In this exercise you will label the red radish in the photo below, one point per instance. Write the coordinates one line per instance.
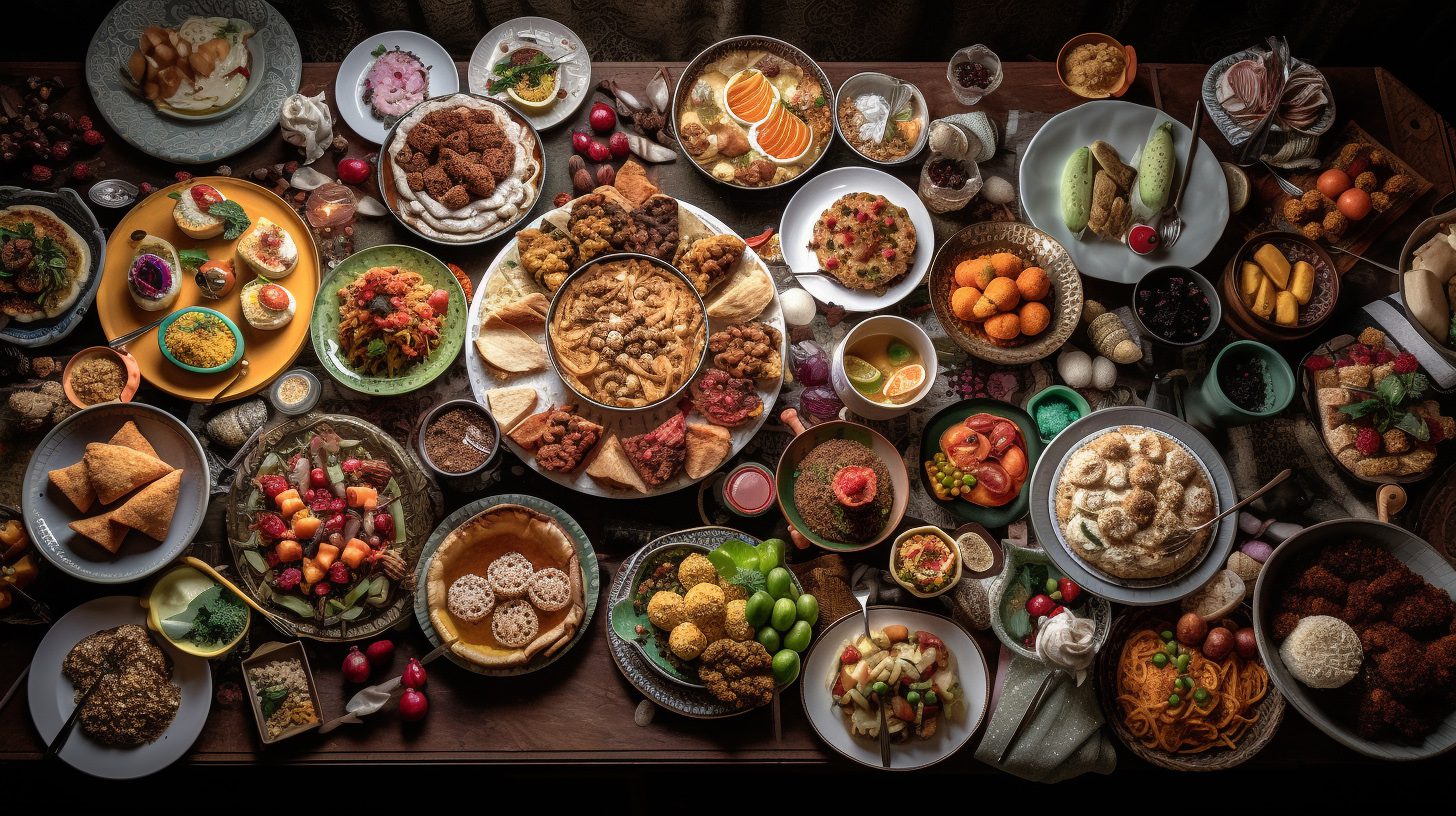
(414, 675)
(380, 653)
(618, 145)
(580, 141)
(1038, 605)
(413, 705)
(356, 666)
(353, 171)
(598, 152)
(602, 118)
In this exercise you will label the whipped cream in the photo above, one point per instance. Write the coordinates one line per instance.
(1066, 642)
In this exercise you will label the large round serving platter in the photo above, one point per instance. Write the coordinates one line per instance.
(325, 323)
(349, 82)
(418, 510)
(201, 139)
(1125, 126)
(551, 390)
(822, 662)
(1133, 592)
(555, 41)
(816, 196)
(48, 511)
(269, 352)
(68, 208)
(52, 697)
(591, 579)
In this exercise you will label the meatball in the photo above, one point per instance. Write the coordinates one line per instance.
(696, 569)
(666, 610)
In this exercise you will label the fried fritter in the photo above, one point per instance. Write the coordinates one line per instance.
(548, 258)
(709, 261)
(598, 225)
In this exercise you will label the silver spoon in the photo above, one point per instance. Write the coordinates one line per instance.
(862, 592)
(1179, 539)
(242, 372)
(1171, 229)
(1392, 270)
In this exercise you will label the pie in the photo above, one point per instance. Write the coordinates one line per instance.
(1120, 495)
(524, 552)
(866, 242)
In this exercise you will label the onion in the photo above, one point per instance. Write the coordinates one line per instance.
(351, 525)
(821, 403)
(380, 653)
(808, 363)
(356, 666)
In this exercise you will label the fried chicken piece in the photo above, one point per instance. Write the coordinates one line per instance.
(1356, 559)
(484, 137)
(458, 141)
(1427, 608)
(1360, 605)
(416, 181)
(446, 120)
(1379, 712)
(414, 161)
(437, 182)
(738, 673)
(455, 198)
(709, 261)
(1293, 211)
(1441, 656)
(598, 225)
(1316, 580)
(547, 258)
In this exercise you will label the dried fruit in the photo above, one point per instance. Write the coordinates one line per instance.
(93, 138)
(598, 152)
(575, 163)
(619, 145)
(581, 181)
(562, 199)
(606, 176)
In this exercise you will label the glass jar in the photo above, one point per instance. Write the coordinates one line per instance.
(948, 199)
(978, 54)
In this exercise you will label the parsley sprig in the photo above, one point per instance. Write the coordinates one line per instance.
(1386, 405)
(507, 74)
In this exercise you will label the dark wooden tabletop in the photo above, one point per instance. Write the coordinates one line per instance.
(580, 709)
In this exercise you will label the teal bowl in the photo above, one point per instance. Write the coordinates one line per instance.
(231, 326)
(1052, 392)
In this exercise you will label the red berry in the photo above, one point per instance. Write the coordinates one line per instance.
(322, 588)
(580, 141)
(618, 145)
(1406, 363)
(602, 118)
(84, 122)
(598, 152)
(40, 173)
(339, 572)
(60, 150)
(318, 477)
(81, 171)
(93, 138)
(182, 175)
(1367, 441)
(351, 465)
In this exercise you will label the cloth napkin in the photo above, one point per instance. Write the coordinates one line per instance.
(307, 124)
(1063, 741)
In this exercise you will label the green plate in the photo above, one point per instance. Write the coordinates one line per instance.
(591, 578)
(930, 443)
(810, 438)
(325, 324)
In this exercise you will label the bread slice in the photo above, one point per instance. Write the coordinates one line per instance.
(612, 468)
(510, 405)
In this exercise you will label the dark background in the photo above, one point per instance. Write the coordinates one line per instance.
(1411, 38)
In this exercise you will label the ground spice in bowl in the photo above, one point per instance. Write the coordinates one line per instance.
(98, 378)
(446, 445)
(1246, 384)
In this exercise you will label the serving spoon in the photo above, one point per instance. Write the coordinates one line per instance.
(862, 592)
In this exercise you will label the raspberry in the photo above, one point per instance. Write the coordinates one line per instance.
(84, 123)
(1318, 362)
(1405, 363)
(339, 572)
(182, 175)
(146, 188)
(288, 579)
(322, 588)
(60, 151)
(1383, 356)
(271, 559)
(40, 173)
(93, 138)
(1367, 441)
(81, 171)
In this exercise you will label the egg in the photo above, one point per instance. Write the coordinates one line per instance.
(1354, 203)
(998, 190)
(798, 307)
(1333, 182)
(1075, 368)
(1104, 373)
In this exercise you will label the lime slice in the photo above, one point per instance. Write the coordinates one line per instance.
(864, 376)
(899, 353)
(1238, 185)
(905, 381)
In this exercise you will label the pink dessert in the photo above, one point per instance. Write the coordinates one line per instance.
(396, 82)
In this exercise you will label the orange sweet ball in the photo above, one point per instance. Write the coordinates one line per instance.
(1003, 292)
(1033, 283)
(963, 302)
(966, 271)
(1035, 317)
(1005, 326)
(1006, 265)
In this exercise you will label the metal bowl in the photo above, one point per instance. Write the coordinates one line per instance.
(884, 85)
(776, 47)
(573, 278)
(1420, 235)
(1215, 307)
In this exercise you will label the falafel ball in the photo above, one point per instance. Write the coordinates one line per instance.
(732, 591)
(666, 610)
(704, 605)
(735, 620)
(687, 641)
(696, 569)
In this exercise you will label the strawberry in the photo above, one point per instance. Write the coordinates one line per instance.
(1367, 441)
(1069, 589)
(40, 174)
(849, 656)
(84, 123)
(1406, 363)
(182, 175)
(81, 171)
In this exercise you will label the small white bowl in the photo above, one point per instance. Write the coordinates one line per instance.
(901, 328)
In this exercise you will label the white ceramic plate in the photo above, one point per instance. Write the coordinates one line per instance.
(1125, 126)
(554, 40)
(550, 390)
(52, 695)
(822, 663)
(797, 228)
(349, 82)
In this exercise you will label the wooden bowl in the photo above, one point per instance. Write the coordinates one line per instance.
(1312, 315)
(1095, 37)
(128, 364)
(1034, 247)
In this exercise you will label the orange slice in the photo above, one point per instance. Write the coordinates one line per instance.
(783, 135)
(905, 381)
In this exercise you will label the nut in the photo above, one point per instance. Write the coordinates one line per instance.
(606, 176)
(575, 164)
(581, 180)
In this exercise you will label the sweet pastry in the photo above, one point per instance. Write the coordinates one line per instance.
(515, 624)
(470, 598)
(510, 575)
(549, 590)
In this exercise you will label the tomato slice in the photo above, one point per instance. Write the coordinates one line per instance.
(964, 447)
(994, 478)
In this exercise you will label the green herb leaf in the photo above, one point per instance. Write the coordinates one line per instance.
(1356, 410)
(1415, 425)
(1392, 390)
(269, 699)
(377, 347)
(751, 580)
(174, 195)
(233, 216)
(192, 258)
(378, 51)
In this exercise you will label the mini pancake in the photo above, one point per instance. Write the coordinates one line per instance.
(612, 468)
(73, 482)
(101, 530)
(507, 348)
(708, 446)
(115, 471)
(130, 436)
(150, 511)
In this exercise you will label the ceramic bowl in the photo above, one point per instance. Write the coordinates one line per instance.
(1215, 306)
(128, 364)
(1017, 559)
(1312, 315)
(1419, 236)
(884, 85)
(159, 601)
(1056, 392)
(1095, 37)
(805, 440)
(955, 576)
(901, 329)
(227, 321)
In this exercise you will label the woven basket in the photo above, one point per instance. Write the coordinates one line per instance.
(1271, 708)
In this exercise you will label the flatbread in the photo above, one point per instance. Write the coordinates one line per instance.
(150, 511)
(611, 467)
(73, 483)
(506, 348)
(101, 530)
(543, 542)
(633, 183)
(708, 446)
(76, 252)
(744, 295)
(510, 405)
(528, 313)
(115, 471)
(130, 436)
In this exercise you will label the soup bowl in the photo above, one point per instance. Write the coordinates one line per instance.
(864, 404)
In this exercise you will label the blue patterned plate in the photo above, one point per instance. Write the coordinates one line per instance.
(66, 205)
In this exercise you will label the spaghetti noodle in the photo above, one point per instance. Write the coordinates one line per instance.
(389, 319)
(1235, 687)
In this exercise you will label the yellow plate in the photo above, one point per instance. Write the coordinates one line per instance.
(268, 353)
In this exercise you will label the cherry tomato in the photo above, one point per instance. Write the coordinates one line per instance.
(318, 477)
(439, 300)
(272, 296)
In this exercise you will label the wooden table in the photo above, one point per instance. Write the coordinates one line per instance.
(580, 709)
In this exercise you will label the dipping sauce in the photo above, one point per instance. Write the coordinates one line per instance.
(296, 392)
(748, 490)
(885, 369)
(98, 378)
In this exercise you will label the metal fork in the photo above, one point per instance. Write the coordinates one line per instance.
(862, 592)
(1172, 228)
(1290, 188)
(1179, 539)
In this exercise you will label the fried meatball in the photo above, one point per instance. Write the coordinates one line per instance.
(437, 182)
(424, 138)
(731, 591)
(735, 620)
(455, 198)
(485, 137)
(1313, 200)
(705, 604)
(696, 569)
(416, 181)
(445, 120)
(498, 160)
(665, 610)
(458, 141)
(1140, 506)
(687, 641)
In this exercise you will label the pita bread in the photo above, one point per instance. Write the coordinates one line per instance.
(72, 481)
(744, 296)
(115, 471)
(510, 405)
(506, 348)
(150, 511)
(469, 549)
(74, 250)
(612, 468)
(633, 183)
(615, 196)
(527, 313)
(101, 530)
(130, 436)
(708, 446)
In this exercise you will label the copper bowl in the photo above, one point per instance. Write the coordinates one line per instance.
(1095, 37)
(128, 365)
(1312, 315)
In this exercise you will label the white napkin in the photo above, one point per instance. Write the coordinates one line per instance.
(306, 123)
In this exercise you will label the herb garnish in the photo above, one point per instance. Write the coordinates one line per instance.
(269, 699)
(1385, 408)
(49, 258)
(192, 258)
(377, 347)
(233, 216)
(508, 74)
(378, 51)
